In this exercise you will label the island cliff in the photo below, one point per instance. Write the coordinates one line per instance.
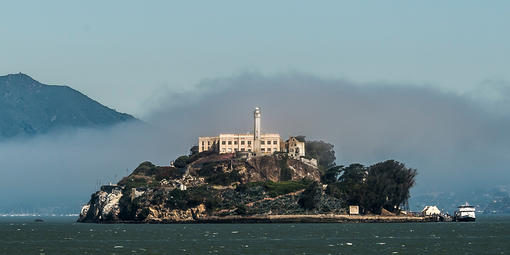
(211, 184)
(210, 187)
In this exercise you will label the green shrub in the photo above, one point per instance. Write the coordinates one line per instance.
(241, 209)
(280, 188)
(309, 198)
(334, 190)
(185, 199)
(193, 150)
(248, 186)
(211, 203)
(178, 199)
(181, 161)
(136, 183)
(168, 173)
(208, 169)
(145, 168)
(275, 189)
(158, 197)
(224, 179)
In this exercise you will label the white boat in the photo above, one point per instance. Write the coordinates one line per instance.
(465, 212)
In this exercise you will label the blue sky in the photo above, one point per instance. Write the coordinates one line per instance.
(127, 53)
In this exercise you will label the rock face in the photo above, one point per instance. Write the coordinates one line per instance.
(103, 206)
(28, 107)
(213, 186)
(263, 169)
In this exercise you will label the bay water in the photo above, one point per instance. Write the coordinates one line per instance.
(62, 235)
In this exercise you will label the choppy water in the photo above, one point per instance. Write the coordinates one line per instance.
(61, 235)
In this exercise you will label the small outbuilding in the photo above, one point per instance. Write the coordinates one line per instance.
(430, 210)
(354, 209)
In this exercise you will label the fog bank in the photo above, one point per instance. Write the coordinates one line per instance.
(453, 141)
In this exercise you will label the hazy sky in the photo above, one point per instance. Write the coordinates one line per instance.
(126, 53)
(425, 83)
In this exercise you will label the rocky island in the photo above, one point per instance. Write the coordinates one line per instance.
(211, 187)
(256, 178)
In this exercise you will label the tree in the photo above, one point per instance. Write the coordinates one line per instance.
(352, 184)
(193, 150)
(181, 161)
(300, 138)
(310, 196)
(331, 175)
(383, 185)
(321, 151)
(387, 186)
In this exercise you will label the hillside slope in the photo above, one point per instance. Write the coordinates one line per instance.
(28, 107)
(213, 186)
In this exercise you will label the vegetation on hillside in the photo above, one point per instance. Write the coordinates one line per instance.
(235, 200)
(383, 185)
(147, 175)
(275, 189)
(321, 151)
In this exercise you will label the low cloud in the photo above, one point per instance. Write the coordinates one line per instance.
(453, 140)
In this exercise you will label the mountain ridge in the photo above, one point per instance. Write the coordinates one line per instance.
(29, 107)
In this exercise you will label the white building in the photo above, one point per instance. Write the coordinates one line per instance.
(255, 142)
(430, 210)
(295, 148)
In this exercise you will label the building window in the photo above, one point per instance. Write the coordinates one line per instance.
(223, 142)
(249, 150)
(242, 142)
(223, 150)
(229, 142)
(275, 149)
(249, 142)
(242, 149)
(229, 149)
(262, 142)
(275, 142)
(208, 143)
(268, 149)
(235, 149)
(202, 143)
(262, 149)
(235, 142)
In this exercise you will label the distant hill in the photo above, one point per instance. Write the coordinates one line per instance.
(28, 107)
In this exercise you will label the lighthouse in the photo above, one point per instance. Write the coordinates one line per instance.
(256, 130)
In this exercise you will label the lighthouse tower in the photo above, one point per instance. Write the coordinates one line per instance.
(256, 130)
